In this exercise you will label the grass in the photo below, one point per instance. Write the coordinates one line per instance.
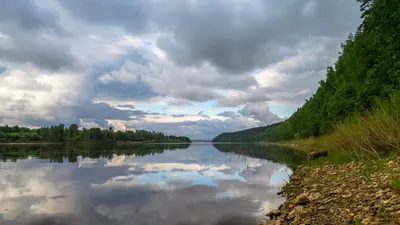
(291, 188)
(374, 134)
(395, 184)
(321, 143)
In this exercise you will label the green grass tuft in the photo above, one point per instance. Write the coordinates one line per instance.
(395, 184)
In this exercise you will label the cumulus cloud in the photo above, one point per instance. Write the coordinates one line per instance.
(260, 112)
(46, 52)
(27, 15)
(18, 80)
(115, 62)
(31, 34)
(239, 98)
(234, 37)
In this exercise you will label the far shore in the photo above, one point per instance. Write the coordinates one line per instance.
(87, 142)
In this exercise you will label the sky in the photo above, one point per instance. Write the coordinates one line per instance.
(185, 67)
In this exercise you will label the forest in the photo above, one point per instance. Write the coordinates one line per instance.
(61, 133)
(366, 73)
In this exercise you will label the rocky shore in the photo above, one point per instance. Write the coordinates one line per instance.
(353, 193)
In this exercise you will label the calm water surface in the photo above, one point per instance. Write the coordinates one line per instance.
(141, 184)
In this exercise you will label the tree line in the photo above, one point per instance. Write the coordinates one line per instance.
(367, 71)
(61, 133)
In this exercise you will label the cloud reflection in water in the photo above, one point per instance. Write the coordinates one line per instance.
(198, 185)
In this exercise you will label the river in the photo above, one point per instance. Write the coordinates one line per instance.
(138, 184)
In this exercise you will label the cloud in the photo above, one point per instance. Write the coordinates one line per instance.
(132, 15)
(32, 34)
(260, 112)
(228, 114)
(204, 129)
(82, 62)
(16, 79)
(178, 102)
(126, 106)
(201, 113)
(239, 98)
(153, 167)
(2, 69)
(27, 15)
(234, 37)
(47, 52)
(34, 101)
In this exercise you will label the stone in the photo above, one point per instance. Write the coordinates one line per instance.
(317, 154)
(301, 199)
(385, 202)
(274, 213)
(271, 222)
(291, 215)
(314, 196)
(379, 194)
(366, 221)
(337, 191)
(347, 196)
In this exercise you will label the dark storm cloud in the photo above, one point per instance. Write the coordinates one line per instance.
(103, 110)
(124, 91)
(33, 36)
(43, 52)
(88, 112)
(235, 37)
(132, 15)
(27, 15)
(95, 112)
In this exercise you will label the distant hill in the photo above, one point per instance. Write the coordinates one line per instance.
(249, 135)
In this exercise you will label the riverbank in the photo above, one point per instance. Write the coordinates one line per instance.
(88, 142)
(351, 193)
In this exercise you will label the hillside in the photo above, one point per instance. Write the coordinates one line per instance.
(249, 135)
(366, 72)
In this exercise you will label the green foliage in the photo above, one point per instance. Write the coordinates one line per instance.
(61, 133)
(395, 184)
(367, 70)
(249, 135)
(371, 134)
